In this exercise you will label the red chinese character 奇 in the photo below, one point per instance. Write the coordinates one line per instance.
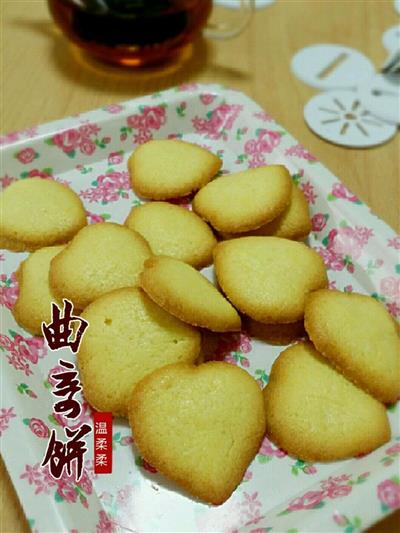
(58, 332)
(61, 454)
(68, 386)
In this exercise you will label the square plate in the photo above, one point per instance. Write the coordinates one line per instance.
(89, 152)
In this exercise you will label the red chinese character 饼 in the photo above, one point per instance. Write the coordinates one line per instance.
(61, 454)
(58, 332)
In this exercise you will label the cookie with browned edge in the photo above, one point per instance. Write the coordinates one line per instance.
(246, 200)
(187, 294)
(359, 337)
(33, 305)
(316, 414)
(199, 426)
(168, 168)
(38, 212)
(100, 258)
(174, 231)
(275, 333)
(128, 337)
(268, 278)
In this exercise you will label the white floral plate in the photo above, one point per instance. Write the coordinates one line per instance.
(278, 493)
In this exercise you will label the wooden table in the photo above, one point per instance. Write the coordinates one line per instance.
(44, 79)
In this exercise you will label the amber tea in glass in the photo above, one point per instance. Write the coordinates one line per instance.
(131, 32)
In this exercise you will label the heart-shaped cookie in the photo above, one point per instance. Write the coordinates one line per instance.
(315, 413)
(199, 426)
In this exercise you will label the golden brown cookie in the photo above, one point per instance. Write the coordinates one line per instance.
(185, 293)
(33, 305)
(100, 258)
(38, 212)
(268, 278)
(275, 333)
(128, 337)
(199, 426)
(315, 413)
(162, 169)
(246, 200)
(174, 231)
(294, 223)
(359, 337)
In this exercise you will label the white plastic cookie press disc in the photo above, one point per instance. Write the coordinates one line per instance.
(381, 96)
(391, 38)
(339, 117)
(331, 66)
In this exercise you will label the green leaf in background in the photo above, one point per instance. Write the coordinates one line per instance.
(53, 420)
(285, 512)
(26, 421)
(58, 497)
(319, 505)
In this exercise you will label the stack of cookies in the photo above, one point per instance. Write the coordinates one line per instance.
(139, 287)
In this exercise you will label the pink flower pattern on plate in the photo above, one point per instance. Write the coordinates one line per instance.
(255, 149)
(6, 180)
(232, 347)
(8, 290)
(318, 221)
(341, 191)
(390, 286)
(218, 121)
(114, 108)
(389, 494)
(6, 414)
(207, 98)
(268, 451)
(15, 136)
(150, 118)
(394, 243)
(309, 192)
(344, 245)
(22, 351)
(298, 150)
(331, 488)
(84, 138)
(26, 156)
(66, 488)
(107, 188)
(104, 524)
